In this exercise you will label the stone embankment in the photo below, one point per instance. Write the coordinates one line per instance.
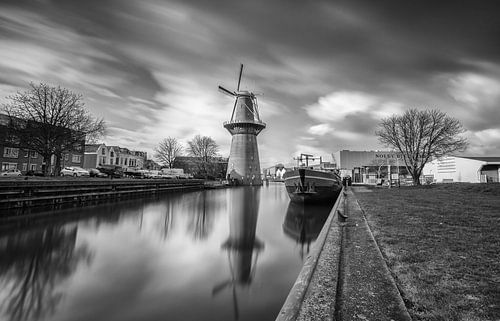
(345, 276)
(16, 195)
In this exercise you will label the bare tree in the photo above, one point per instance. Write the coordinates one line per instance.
(205, 149)
(168, 150)
(51, 120)
(421, 135)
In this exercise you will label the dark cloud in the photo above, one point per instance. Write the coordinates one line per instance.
(295, 52)
(360, 122)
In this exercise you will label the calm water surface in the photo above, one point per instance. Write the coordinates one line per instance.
(208, 255)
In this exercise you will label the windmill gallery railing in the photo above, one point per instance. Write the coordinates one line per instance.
(240, 122)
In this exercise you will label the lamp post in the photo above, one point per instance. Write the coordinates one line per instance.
(388, 171)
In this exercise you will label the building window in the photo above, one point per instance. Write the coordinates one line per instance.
(33, 167)
(11, 152)
(102, 161)
(117, 161)
(13, 139)
(78, 147)
(33, 154)
(126, 161)
(103, 151)
(7, 166)
(66, 157)
(111, 154)
(25, 167)
(26, 153)
(76, 158)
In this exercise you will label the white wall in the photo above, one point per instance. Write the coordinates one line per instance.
(455, 169)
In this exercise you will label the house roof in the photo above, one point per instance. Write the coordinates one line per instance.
(489, 159)
(92, 148)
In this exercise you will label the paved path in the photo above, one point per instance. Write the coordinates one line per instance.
(368, 291)
(349, 279)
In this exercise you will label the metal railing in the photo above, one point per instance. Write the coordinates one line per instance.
(256, 122)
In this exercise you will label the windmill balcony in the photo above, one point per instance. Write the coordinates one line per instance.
(243, 122)
(244, 126)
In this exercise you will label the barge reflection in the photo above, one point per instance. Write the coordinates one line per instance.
(242, 242)
(303, 223)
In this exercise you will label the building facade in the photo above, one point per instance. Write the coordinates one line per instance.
(13, 155)
(99, 154)
(20, 158)
(449, 169)
(370, 167)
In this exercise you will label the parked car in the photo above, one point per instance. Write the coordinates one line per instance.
(152, 174)
(135, 174)
(167, 176)
(74, 171)
(11, 172)
(94, 172)
(111, 170)
(34, 173)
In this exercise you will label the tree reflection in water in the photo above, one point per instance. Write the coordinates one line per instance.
(33, 264)
(241, 243)
(202, 211)
(168, 221)
(303, 223)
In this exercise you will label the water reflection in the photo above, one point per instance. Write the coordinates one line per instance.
(242, 244)
(202, 221)
(33, 265)
(186, 256)
(303, 223)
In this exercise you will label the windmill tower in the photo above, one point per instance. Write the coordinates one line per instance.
(244, 126)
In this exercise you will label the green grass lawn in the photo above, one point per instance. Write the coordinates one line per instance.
(442, 244)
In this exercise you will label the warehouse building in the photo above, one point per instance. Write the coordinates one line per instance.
(370, 167)
(463, 169)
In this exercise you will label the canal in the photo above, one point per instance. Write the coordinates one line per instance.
(223, 254)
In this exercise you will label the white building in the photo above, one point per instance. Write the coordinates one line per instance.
(463, 169)
(100, 154)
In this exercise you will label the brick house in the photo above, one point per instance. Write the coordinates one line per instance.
(15, 156)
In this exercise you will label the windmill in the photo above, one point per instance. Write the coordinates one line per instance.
(244, 126)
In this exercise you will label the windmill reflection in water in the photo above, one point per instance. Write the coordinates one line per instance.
(304, 221)
(242, 242)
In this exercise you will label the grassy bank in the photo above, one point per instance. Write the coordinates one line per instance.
(442, 244)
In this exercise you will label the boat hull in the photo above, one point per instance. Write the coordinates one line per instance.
(312, 186)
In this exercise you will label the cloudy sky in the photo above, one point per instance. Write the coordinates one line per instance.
(328, 71)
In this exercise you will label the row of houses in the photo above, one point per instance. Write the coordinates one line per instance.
(91, 156)
(13, 155)
(99, 154)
